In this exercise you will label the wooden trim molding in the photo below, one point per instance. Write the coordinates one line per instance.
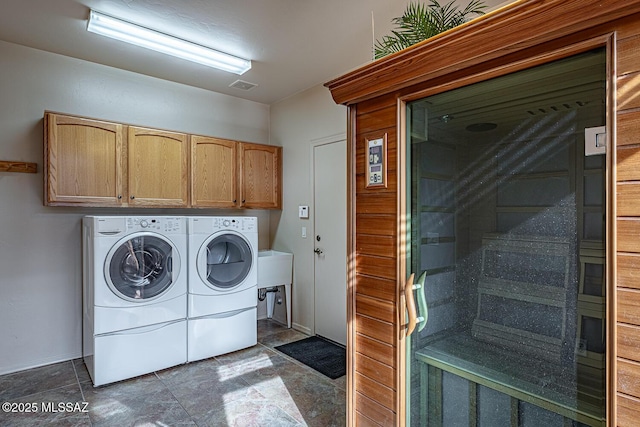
(610, 227)
(351, 266)
(24, 167)
(515, 27)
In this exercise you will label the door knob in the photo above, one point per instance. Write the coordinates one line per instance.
(318, 251)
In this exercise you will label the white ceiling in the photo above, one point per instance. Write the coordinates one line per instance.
(294, 44)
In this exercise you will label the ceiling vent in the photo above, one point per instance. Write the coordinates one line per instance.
(558, 107)
(242, 85)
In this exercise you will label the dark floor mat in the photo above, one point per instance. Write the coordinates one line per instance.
(322, 355)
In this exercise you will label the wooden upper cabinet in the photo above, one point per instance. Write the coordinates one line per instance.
(94, 163)
(214, 172)
(158, 168)
(260, 176)
(82, 161)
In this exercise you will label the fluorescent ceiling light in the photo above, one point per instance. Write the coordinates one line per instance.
(140, 36)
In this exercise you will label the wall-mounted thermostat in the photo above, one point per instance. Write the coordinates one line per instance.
(303, 212)
(377, 162)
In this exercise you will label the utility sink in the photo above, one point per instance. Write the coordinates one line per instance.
(274, 268)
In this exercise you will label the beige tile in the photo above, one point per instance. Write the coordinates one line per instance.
(25, 383)
(283, 337)
(254, 386)
(44, 408)
(140, 401)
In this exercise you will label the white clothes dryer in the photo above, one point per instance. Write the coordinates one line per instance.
(223, 280)
(135, 295)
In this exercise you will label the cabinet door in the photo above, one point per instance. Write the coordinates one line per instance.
(214, 172)
(158, 168)
(260, 176)
(83, 161)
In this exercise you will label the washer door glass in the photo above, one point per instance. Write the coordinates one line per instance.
(140, 268)
(229, 261)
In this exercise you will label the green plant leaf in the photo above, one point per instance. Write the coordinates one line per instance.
(420, 22)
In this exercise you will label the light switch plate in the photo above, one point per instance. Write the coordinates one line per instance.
(595, 141)
(303, 212)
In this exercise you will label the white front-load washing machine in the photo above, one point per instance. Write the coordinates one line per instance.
(134, 295)
(223, 280)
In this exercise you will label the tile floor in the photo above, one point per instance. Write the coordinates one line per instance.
(256, 387)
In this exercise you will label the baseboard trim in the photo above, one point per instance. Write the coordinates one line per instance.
(300, 328)
(38, 363)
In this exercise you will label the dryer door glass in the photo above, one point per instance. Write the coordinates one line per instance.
(141, 267)
(229, 261)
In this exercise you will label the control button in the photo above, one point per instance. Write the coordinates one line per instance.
(226, 223)
(144, 223)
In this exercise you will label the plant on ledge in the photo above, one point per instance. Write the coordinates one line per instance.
(421, 22)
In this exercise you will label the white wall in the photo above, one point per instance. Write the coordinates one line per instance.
(296, 123)
(40, 247)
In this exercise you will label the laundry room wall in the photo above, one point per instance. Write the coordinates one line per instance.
(40, 247)
(297, 122)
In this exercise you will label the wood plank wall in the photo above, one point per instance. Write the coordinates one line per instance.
(375, 284)
(628, 226)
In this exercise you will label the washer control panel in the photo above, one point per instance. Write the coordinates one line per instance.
(246, 224)
(158, 224)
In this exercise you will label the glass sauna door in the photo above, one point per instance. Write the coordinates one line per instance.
(506, 240)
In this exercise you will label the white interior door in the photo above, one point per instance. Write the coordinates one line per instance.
(330, 244)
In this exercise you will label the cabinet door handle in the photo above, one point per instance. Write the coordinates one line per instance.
(119, 196)
(235, 200)
(132, 197)
(243, 200)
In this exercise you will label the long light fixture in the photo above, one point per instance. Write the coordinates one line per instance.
(125, 31)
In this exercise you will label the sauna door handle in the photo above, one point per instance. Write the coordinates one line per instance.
(411, 305)
(422, 301)
(414, 319)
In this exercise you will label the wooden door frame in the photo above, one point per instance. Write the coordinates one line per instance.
(401, 362)
(543, 56)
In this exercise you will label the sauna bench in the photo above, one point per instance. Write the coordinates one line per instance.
(524, 378)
